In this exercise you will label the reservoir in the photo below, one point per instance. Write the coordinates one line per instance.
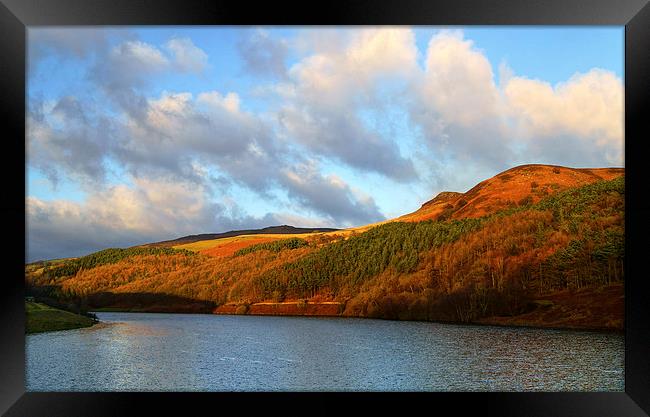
(194, 352)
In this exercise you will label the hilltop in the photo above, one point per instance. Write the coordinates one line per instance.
(517, 186)
(535, 245)
(275, 230)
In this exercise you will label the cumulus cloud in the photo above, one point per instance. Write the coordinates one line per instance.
(588, 108)
(264, 55)
(124, 71)
(333, 133)
(211, 129)
(328, 89)
(459, 82)
(467, 118)
(131, 62)
(330, 196)
(64, 140)
(187, 57)
(152, 208)
(180, 138)
(458, 104)
(173, 136)
(126, 215)
(122, 215)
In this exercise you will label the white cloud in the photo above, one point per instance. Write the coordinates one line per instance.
(121, 215)
(211, 129)
(138, 56)
(160, 209)
(187, 57)
(214, 99)
(150, 207)
(263, 54)
(459, 82)
(337, 75)
(588, 108)
(329, 196)
(65, 139)
(467, 118)
(378, 52)
(329, 88)
(458, 106)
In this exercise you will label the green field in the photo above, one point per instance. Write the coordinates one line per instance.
(43, 318)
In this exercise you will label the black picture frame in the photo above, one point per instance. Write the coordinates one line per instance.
(17, 15)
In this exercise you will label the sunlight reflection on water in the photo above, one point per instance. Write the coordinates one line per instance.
(180, 352)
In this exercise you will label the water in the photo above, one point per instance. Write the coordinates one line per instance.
(177, 352)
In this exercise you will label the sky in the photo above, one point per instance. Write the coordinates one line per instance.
(142, 134)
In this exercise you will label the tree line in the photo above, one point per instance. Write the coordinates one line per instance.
(275, 246)
(107, 256)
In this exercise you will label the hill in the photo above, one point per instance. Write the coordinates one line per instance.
(535, 245)
(273, 230)
(517, 186)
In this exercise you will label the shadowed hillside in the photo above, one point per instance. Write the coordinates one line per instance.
(535, 245)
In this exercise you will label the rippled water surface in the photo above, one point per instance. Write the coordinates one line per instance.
(178, 352)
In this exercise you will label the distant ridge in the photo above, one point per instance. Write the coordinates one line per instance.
(283, 230)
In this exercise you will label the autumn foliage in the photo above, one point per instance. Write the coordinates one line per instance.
(451, 268)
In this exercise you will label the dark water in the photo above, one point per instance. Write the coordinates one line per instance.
(176, 352)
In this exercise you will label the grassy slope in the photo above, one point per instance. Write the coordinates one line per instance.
(203, 245)
(43, 318)
(274, 230)
(509, 188)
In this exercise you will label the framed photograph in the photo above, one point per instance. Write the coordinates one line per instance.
(256, 206)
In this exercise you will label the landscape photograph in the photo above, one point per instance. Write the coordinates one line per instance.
(326, 208)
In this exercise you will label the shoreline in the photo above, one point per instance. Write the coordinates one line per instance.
(327, 309)
(42, 318)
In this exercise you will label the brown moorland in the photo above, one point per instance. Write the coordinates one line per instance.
(516, 186)
(229, 249)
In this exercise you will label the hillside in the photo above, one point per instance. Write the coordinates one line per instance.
(272, 230)
(535, 245)
(519, 185)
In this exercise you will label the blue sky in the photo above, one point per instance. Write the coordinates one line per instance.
(144, 134)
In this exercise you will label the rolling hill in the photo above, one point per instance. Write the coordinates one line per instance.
(519, 185)
(535, 245)
(271, 230)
